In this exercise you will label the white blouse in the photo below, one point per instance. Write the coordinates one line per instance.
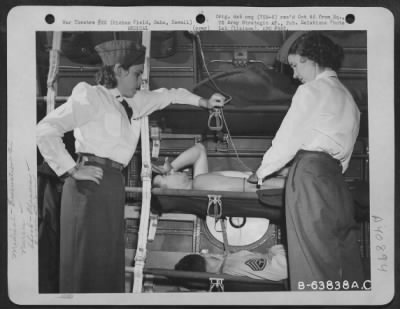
(322, 117)
(101, 126)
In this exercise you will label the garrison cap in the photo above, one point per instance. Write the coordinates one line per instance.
(283, 53)
(124, 52)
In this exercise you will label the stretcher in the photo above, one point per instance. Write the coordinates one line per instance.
(218, 204)
(213, 282)
(268, 204)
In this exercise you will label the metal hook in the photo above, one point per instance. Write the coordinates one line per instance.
(214, 200)
(215, 114)
(217, 283)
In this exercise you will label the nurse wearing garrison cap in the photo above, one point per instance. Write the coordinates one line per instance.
(106, 126)
(317, 137)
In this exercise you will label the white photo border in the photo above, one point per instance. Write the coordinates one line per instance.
(22, 24)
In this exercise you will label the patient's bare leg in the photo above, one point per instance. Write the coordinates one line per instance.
(196, 156)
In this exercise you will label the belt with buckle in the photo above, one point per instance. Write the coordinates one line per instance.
(85, 157)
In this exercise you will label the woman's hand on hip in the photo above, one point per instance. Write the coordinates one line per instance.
(87, 172)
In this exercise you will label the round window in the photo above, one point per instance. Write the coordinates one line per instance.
(241, 232)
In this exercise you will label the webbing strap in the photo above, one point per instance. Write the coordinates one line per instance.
(225, 237)
(155, 135)
(146, 178)
(215, 205)
(153, 227)
(54, 63)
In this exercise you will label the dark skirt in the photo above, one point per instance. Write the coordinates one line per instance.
(92, 256)
(321, 231)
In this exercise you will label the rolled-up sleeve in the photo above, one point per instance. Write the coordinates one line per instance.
(145, 102)
(80, 107)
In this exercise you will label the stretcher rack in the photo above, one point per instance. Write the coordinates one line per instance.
(199, 203)
(232, 204)
(222, 205)
(217, 204)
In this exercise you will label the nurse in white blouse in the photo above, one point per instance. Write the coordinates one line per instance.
(318, 135)
(105, 120)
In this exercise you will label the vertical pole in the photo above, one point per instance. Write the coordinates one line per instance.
(146, 179)
(54, 62)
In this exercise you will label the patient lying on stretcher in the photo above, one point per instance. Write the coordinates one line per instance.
(171, 176)
(270, 266)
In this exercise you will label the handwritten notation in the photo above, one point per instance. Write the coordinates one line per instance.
(22, 205)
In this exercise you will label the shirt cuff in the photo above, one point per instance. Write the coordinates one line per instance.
(183, 96)
(194, 100)
(65, 166)
(262, 172)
